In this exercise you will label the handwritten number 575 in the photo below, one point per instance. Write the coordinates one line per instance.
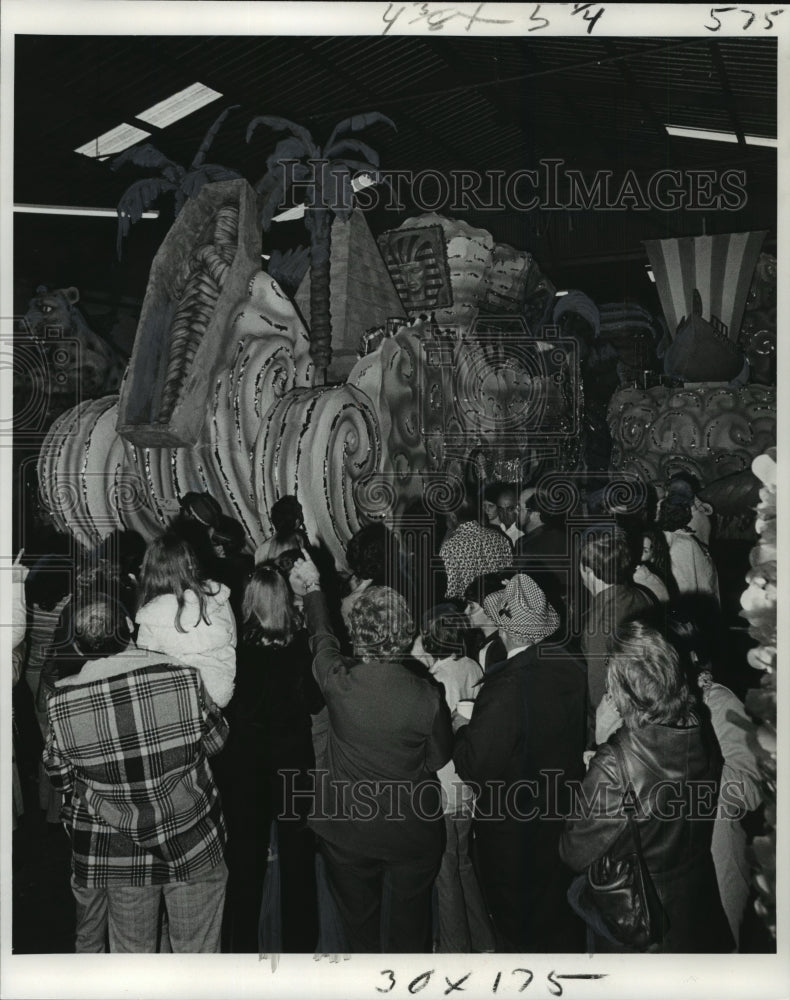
(751, 16)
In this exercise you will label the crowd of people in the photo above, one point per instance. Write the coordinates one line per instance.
(424, 750)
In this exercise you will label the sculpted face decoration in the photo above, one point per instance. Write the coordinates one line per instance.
(417, 262)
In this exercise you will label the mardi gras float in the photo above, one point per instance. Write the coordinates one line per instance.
(221, 395)
(398, 367)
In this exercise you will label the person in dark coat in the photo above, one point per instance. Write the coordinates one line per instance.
(606, 565)
(379, 815)
(673, 771)
(522, 747)
(232, 565)
(270, 718)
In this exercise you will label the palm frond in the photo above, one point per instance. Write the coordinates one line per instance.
(283, 125)
(144, 156)
(136, 199)
(209, 137)
(270, 204)
(357, 122)
(196, 180)
(287, 149)
(352, 146)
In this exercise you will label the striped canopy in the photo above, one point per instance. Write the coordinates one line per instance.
(720, 267)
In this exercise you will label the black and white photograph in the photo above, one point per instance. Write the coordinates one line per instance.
(389, 473)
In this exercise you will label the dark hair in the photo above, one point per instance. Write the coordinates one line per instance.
(171, 567)
(47, 583)
(372, 553)
(691, 644)
(196, 535)
(605, 550)
(493, 492)
(659, 562)
(284, 561)
(126, 548)
(286, 515)
(675, 513)
(644, 678)
(203, 506)
(487, 583)
(268, 607)
(100, 626)
(229, 534)
(443, 631)
(470, 508)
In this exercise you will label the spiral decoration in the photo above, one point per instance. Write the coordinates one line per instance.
(317, 443)
(710, 431)
(94, 481)
(87, 475)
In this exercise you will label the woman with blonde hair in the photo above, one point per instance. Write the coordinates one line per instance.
(270, 755)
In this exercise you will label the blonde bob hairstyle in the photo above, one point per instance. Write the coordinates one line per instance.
(381, 625)
(645, 681)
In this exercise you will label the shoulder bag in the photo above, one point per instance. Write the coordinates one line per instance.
(616, 896)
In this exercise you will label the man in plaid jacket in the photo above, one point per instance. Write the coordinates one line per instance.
(129, 741)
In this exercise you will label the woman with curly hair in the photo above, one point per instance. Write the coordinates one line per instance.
(379, 814)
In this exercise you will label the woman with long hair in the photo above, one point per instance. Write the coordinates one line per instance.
(654, 569)
(187, 616)
(270, 755)
(661, 763)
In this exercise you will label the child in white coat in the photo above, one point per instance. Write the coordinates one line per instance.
(187, 617)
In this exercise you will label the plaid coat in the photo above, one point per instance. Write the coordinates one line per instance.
(130, 752)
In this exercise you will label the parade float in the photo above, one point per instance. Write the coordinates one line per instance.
(399, 363)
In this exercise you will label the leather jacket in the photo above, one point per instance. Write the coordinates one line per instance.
(673, 773)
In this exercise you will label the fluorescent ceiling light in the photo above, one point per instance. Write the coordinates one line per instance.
(557, 294)
(76, 210)
(179, 105)
(713, 136)
(761, 140)
(650, 274)
(701, 133)
(115, 141)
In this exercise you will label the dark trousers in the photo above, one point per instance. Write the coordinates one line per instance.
(525, 886)
(385, 906)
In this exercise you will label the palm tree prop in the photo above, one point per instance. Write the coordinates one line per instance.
(184, 182)
(328, 174)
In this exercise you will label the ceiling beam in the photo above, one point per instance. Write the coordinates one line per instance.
(726, 90)
(635, 88)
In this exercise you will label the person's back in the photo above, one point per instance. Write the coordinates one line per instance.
(208, 644)
(131, 775)
(661, 765)
(187, 616)
(522, 746)
(128, 745)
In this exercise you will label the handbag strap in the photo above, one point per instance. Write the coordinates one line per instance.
(625, 778)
